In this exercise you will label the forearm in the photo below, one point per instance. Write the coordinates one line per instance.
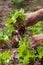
(33, 18)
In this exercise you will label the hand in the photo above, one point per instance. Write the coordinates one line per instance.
(33, 18)
(28, 18)
(36, 40)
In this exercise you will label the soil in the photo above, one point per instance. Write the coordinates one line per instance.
(5, 7)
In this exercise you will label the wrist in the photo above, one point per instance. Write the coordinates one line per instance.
(40, 14)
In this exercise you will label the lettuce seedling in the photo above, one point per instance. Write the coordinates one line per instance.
(5, 57)
(40, 51)
(25, 52)
(16, 16)
(37, 28)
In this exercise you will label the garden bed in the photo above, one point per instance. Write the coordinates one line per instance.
(14, 41)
